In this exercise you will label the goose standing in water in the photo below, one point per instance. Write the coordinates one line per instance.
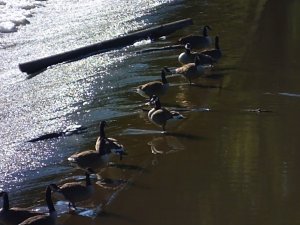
(45, 219)
(198, 41)
(216, 53)
(14, 216)
(157, 88)
(189, 57)
(160, 116)
(191, 71)
(75, 191)
(111, 144)
(91, 158)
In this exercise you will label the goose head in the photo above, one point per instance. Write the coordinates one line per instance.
(188, 48)
(155, 101)
(102, 125)
(205, 30)
(165, 71)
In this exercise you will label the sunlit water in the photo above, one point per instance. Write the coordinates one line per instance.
(81, 92)
(233, 160)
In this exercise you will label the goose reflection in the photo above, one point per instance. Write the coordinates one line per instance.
(165, 145)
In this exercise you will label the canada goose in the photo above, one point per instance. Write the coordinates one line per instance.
(75, 191)
(189, 57)
(214, 53)
(13, 216)
(191, 70)
(160, 116)
(92, 158)
(45, 219)
(198, 41)
(157, 88)
(111, 144)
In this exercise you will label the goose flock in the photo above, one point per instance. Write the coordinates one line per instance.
(192, 66)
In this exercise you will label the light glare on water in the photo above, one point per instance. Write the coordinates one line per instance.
(232, 160)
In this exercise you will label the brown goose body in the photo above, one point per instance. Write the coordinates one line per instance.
(110, 145)
(191, 71)
(160, 116)
(198, 41)
(14, 216)
(189, 57)
(215, 53)
(75, 192)
(91, 158)
(157, 88)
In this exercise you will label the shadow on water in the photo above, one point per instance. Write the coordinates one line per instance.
(128, 167)
(133, 131)
(112, 215)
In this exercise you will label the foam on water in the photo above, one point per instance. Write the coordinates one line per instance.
(16, 13)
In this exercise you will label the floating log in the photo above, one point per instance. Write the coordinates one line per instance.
(35, 66)
(75, 129)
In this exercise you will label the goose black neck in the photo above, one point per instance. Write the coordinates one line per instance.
(102, 133)
(188, 51)
(102, 150)
(157, 104)
(87, 179)
(5, 201)
(205, 32)
(217, 43)
(163, 77)
(197, 61)
(49, 200)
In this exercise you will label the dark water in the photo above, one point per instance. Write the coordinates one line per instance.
(234, 159)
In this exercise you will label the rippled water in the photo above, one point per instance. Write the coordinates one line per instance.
(233, 160)
(80, 93)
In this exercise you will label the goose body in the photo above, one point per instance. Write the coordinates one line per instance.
(191, 71)
(160, 116)
(157, 88)
(45, 219)
(92, 158)
(75, 191)
(110, 144)
(13, 216)
(189, 57)
(215, 53)
(198, 41)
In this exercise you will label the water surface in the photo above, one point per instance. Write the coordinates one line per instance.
(233, 160)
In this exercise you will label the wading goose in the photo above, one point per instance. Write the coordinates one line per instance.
(14, 216)
(198, 41)
(91, 158)
(45, 219)
(216, 53)
(157, 88)
(111, 144)
(75, 191)
(189, 57)
(160, 116)
(191, 71)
